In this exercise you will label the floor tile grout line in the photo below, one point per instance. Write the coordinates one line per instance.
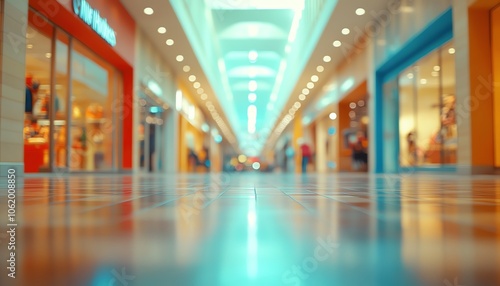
(382, 218)
(143, 210)
(121, 202)
(293, 199)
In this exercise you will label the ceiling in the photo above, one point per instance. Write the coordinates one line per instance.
(251, 61)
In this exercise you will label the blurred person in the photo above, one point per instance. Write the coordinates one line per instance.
(358, 146)
(306, 154)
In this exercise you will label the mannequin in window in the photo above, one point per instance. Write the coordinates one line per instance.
(31, 94)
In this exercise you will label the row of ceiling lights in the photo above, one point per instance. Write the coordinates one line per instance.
(197, 85)
(310, 85)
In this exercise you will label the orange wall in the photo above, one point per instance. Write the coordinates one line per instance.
(495, 38)
(345, 153)
(60, 12)
(481, 96)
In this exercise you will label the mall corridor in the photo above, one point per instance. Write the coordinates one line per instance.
(249, 142)
(258, 230)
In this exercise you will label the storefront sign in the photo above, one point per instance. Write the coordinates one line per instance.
(92, 18)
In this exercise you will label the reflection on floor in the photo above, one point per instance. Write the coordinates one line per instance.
(256, 230)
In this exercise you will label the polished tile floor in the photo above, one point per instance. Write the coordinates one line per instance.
(255, 229)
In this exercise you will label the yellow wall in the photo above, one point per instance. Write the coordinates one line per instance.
(185, 128)
(297, 133)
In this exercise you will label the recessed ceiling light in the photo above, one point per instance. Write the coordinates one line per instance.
(327, 59)
(320, 69)
(410, 75)
(186, 68)
(170, 42)
(406, 9)
(310, 85)
(352, 105)
(423, 81)
(252, 85)
(252, 97)
(148, 11)
(196, 85)
(48, 55)
(29, 46)
(180, 58)
(302, 97)
(337, 44)
(314, 78)
(192, 78)
(361, 103)
(200, 90)
(252, 56)
(305, 91)
(436, 68)
(360, 11)
(297, 105)
(333, 116)
(346, 31)
(162, 30)
(451, 51)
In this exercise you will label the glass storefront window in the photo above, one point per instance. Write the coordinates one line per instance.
(61, 99)
(38, 88)
(427, 124)
(73, 100)
(93, 101)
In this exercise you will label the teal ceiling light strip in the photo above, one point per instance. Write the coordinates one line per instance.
(203, 40)
(316, 15)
